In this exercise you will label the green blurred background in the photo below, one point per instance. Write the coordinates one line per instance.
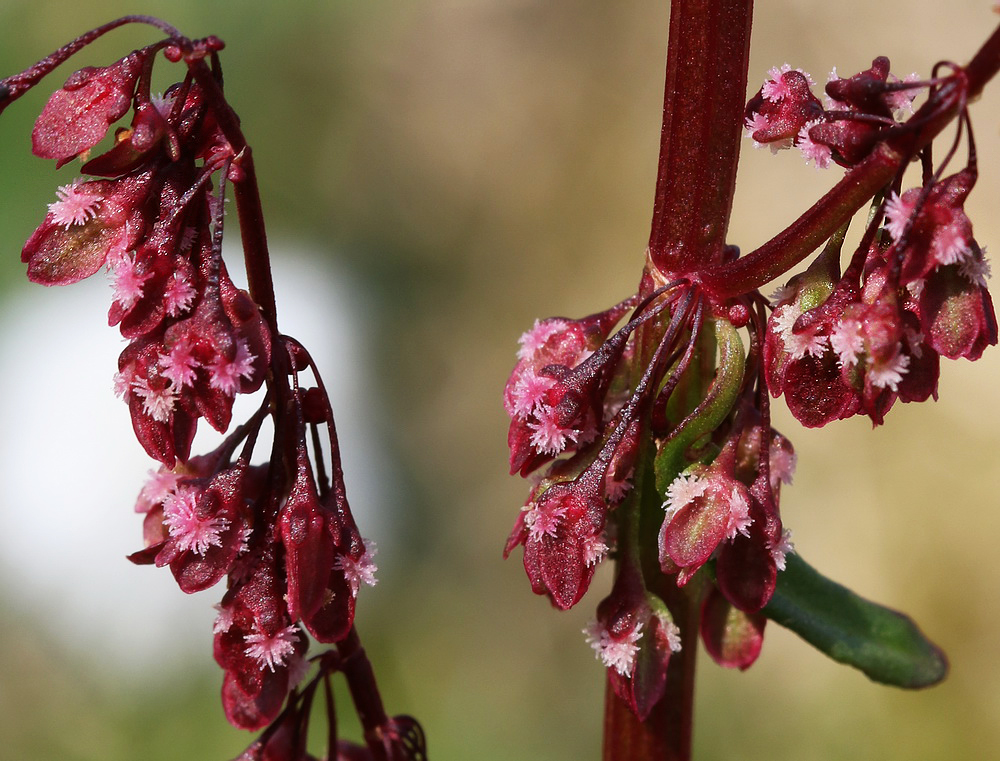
(471, 166)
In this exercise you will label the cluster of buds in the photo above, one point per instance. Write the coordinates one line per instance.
(914, 291)
(626, 389)
(858, 112)
(672, 410)
(279, 532)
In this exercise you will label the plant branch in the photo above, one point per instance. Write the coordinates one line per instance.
(856, 188)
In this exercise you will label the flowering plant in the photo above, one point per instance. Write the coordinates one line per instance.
(656, 438)
(281, 532)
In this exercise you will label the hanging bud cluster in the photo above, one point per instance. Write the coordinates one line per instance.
(914, 291)
(610, 394)
(280, 532)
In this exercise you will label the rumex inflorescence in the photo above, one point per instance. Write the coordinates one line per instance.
(280, 531)
(673, 405)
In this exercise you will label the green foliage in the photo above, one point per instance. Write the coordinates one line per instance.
(885, 644)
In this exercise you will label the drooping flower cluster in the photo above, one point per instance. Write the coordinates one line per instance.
(280, 532)
(581, 510)
(840, 345)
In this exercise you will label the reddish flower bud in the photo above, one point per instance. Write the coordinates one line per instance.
(705, 507)
(90, 222)
(780, 110)
(956, 314)
(733, 638)
(562, 529)
(556, 392)
(77, 117)
(634, 636)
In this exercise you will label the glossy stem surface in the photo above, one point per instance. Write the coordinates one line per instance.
(703, 104)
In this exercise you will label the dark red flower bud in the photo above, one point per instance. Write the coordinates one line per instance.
(733, 638)
(634, 636)
(77, 117)
(563, 536)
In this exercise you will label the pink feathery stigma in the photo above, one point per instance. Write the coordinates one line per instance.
(191, 531)
(75, 206)
(271, 651)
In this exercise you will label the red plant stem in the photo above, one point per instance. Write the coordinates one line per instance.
(707, 59)
(706, 75)
(248, 206)
(854, 190)
(15, 86)
(357, 670)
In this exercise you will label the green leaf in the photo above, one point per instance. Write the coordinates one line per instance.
(671, 458)
(885, 644)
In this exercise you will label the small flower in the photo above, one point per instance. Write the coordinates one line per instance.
(975, 269)
(179, 295)
(158, 403)
(616, 653)
(271, 650)
(75, 205)
(782, 548)
(361, 570)
(533, 340)
(739, 515)
(847, 341)
(781, 461)
(191, 532)
(224, 621)
(128, 280)
(162, 483)
(122, 381)
(898, 210)
(179, 364)
(800, 344)
(888, 374)
(682, 491)
(529, 393)
(543, 519)
(225, 374)
(548, 436)
(901, 101)
(594, 550)
(672, 633)
(812, 151)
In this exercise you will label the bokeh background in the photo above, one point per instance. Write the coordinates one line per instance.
(437, 174)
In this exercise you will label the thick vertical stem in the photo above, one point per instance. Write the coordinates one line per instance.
(706, 81)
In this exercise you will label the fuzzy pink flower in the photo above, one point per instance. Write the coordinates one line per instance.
(817, 153)
(179, 364)
(529, 392)
(542, 519)
(179, 295)
(157, 402)
(618, 653)
(271, 650)
(162, 483)
(75, 206)
(128, 280)
(361, 570)
(225, 374)
(533, 340)
(191, 532)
